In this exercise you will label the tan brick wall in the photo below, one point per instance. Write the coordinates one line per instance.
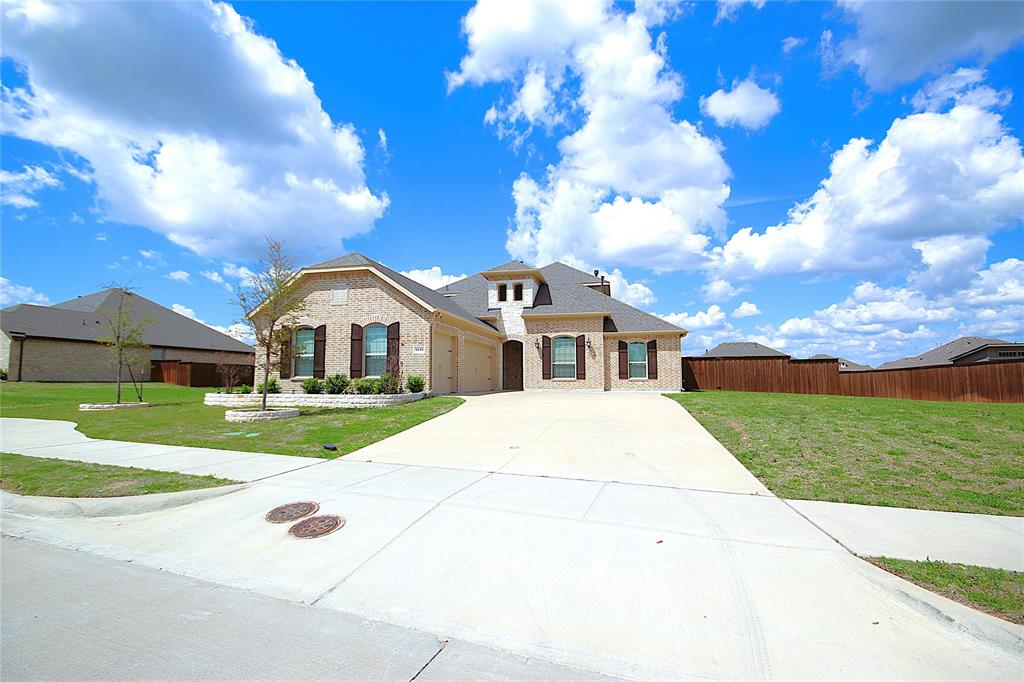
(55, 360)
(370, 300)
(212, 356)
(669, 366)
(532, 361)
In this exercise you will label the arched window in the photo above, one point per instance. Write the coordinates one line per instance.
(303, 352)
(375, 350)
(637, 360)
(563, 357)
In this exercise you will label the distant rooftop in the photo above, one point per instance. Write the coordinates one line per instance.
(743, 349)
(943, 355)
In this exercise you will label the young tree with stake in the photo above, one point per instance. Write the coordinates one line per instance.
(271, 295)
(125, 334)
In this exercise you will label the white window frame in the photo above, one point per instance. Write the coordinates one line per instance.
(554, 364)
(296, 355)
(630, 362)
(366, 350)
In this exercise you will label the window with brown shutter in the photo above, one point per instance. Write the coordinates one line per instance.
(652, 359)
(581, 356)
(545, 357)
(319, 350)
(502, 292)
(355, 365)
(623, 360)
(517, 292)
(393, 346)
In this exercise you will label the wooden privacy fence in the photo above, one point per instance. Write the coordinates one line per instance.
(195, 373)
(989, 382)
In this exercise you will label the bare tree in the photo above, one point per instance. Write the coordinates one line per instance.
(125, 333)
(228, 371)
(272, 295)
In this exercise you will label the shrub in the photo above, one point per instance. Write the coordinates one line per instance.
(245, 388)
(338, 383)
(390, 383)
(367, 386)
(272, 387)
(3, 374)
(415, 383)
(312, 385)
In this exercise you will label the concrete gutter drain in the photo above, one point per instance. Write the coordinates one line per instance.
(316, 526)
(293, 511)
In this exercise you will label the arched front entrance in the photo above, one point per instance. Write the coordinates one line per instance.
(512, 365)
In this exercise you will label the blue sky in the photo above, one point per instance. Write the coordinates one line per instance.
(842, 178)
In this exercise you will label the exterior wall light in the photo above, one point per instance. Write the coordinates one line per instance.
(536, 344)
(588, 342)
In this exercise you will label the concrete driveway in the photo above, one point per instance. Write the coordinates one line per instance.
(642, 438)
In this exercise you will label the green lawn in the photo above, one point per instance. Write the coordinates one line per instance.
(177, 416)
(64, 478)
(995, 591)
(966, 457)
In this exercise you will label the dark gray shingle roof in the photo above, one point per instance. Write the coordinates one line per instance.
(743, 349)
(82, 319)
(844, 364)
(943, 355)
(426, 294)
(512, 265)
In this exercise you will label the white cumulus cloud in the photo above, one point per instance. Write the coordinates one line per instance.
(634, 185)
(432, 277)
(216, 278)
(747, 105)
(17, 188)
(188, 122)
(12, 294)
(180, 276)
(746, 309)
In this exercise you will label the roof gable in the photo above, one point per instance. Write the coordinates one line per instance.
(943, 355)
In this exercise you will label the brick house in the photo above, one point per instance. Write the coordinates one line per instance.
(60, 342)
(509, 328)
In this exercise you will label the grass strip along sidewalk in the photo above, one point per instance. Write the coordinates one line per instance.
(963, 457)
(65, 478)
(992, 590)
(177, 416)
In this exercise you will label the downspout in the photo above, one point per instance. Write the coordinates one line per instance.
(22, 338)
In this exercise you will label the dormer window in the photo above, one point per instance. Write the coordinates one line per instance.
(503, 292)
(517, 292)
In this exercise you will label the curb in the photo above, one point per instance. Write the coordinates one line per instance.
(69, 507)
(993, 631)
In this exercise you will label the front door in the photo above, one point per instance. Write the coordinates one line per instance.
(512, 366)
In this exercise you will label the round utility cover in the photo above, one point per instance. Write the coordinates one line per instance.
(293, 511)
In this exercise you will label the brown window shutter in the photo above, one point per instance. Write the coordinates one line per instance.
(393, 344)
(286, 357)
(652, 359)
(581, 356)
(545, 356)
(355, 365)
(623, 360)
(319, 350)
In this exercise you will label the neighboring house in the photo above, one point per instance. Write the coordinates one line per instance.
(509, 328)
(743, 349)
(844, 364)
(965, 350)
(60, 342)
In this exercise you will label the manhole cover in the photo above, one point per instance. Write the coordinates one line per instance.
(293, 511)
(316, 526)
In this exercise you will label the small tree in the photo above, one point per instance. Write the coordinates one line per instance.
(228, 371)
(125, 334)
(272, 295)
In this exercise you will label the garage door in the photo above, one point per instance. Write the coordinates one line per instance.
(477, 375)
(443, 361)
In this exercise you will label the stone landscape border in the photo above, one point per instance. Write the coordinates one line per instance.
(257, 415)
(339, 400)
(90, 407)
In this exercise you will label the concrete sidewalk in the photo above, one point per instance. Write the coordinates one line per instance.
(919, 534)
(60, 439)
(161, 626)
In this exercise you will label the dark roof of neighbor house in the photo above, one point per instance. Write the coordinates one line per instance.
(82, 319)
(424, 293)
(563, 293)
(984, 346)
(943, 355)
(844, 364)
(743, 349)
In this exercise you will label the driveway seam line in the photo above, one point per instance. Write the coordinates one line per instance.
(444, 645)
(394, 539)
